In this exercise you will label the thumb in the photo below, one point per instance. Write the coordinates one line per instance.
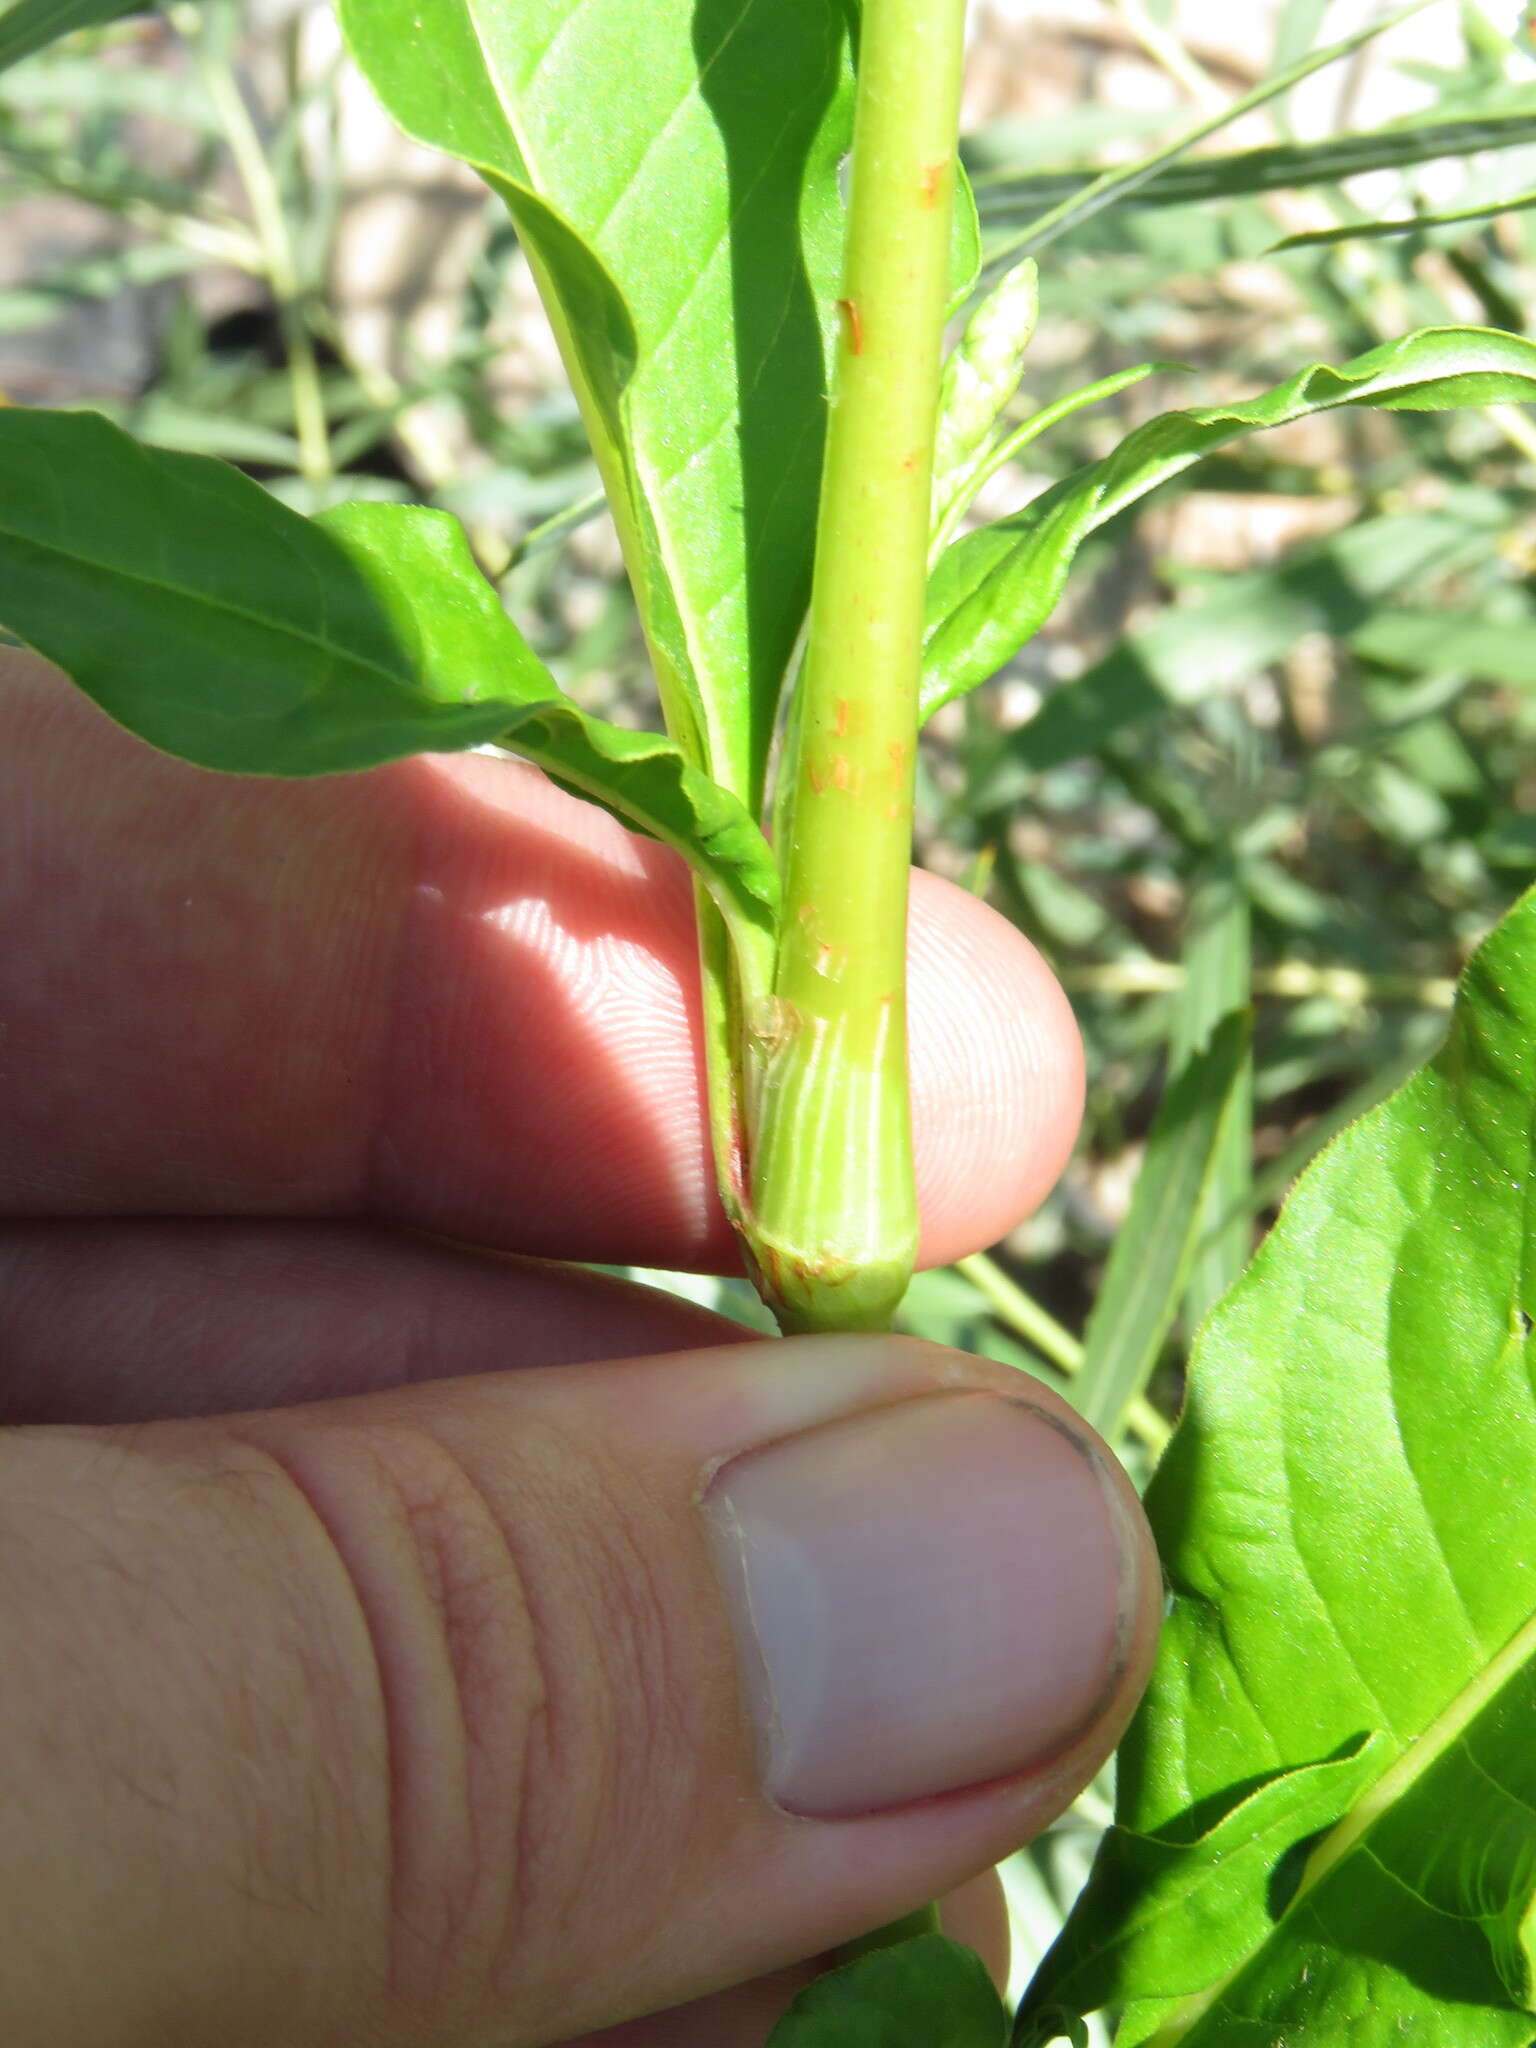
(503, 1709)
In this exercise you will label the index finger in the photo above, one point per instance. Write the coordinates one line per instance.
(441, 992)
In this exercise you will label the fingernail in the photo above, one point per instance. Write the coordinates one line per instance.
(927, 1596)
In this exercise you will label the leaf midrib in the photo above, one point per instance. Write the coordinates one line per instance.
(1400, 1776)
(501, 707)
(221, 606)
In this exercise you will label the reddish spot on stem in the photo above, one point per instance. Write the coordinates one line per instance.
(818, 782)
(840, 722)
(909, 462)
(898, 754)
(933, 177)
(850, 311)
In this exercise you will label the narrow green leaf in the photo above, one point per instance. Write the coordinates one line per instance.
(221, 627)
(691, 264)
(1113, 186)
(992, 590)
(926, 1993)
(32, 25)
(1281, 167)
(1217, 958)
(102, 276)
(964, 243)
(1153, 1249)
(1347, 1517)
(1375, 230)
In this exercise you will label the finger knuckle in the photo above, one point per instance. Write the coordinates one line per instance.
(517, 1605)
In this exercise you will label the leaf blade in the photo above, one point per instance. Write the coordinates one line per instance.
(1155, 1247)
(1359, 1460)
(1111, 187)
(992, 590)
(927, 1992)
(691, 270)
(1280, 167)
(31, 25)
(223, 628)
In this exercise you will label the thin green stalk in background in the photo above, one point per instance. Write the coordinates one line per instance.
(1116, 184)
(1021, 1313)
(1163, 46)
(273, 238)
(833, 1211)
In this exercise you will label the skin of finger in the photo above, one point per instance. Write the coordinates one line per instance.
(141, 1320)
(469, 1762)
(442, 992)
(150, 1318)
(743, 2017)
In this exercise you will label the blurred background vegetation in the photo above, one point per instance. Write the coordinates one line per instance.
(1276, 750)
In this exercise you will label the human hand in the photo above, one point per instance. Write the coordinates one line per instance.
(403, 1644)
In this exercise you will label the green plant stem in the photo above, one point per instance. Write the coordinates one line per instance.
(832, 1227)
(1516, 428)
(1056, 1344)
(1165, 48)
(1022, 1313)
(278, 264)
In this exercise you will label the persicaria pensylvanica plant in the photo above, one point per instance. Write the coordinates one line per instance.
(751, 280)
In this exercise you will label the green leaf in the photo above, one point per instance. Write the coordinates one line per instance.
(691, 263)
(926, 1993)
(1212, 1874)
(1155, 1246)
(1369, 230)
(32, 24)
(964, 242)
(1282, 167)
(221, 627)
(1218, 979)
(1452, 643)
(1113, 186)
(992, 590)
(1237, 628)
(1347, 1518)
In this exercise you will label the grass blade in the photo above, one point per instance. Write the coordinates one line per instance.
(1375, 230)
(1150, 1263)
(1217, 981)
(32, 25)
(1114, 185)
(1279, 167)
